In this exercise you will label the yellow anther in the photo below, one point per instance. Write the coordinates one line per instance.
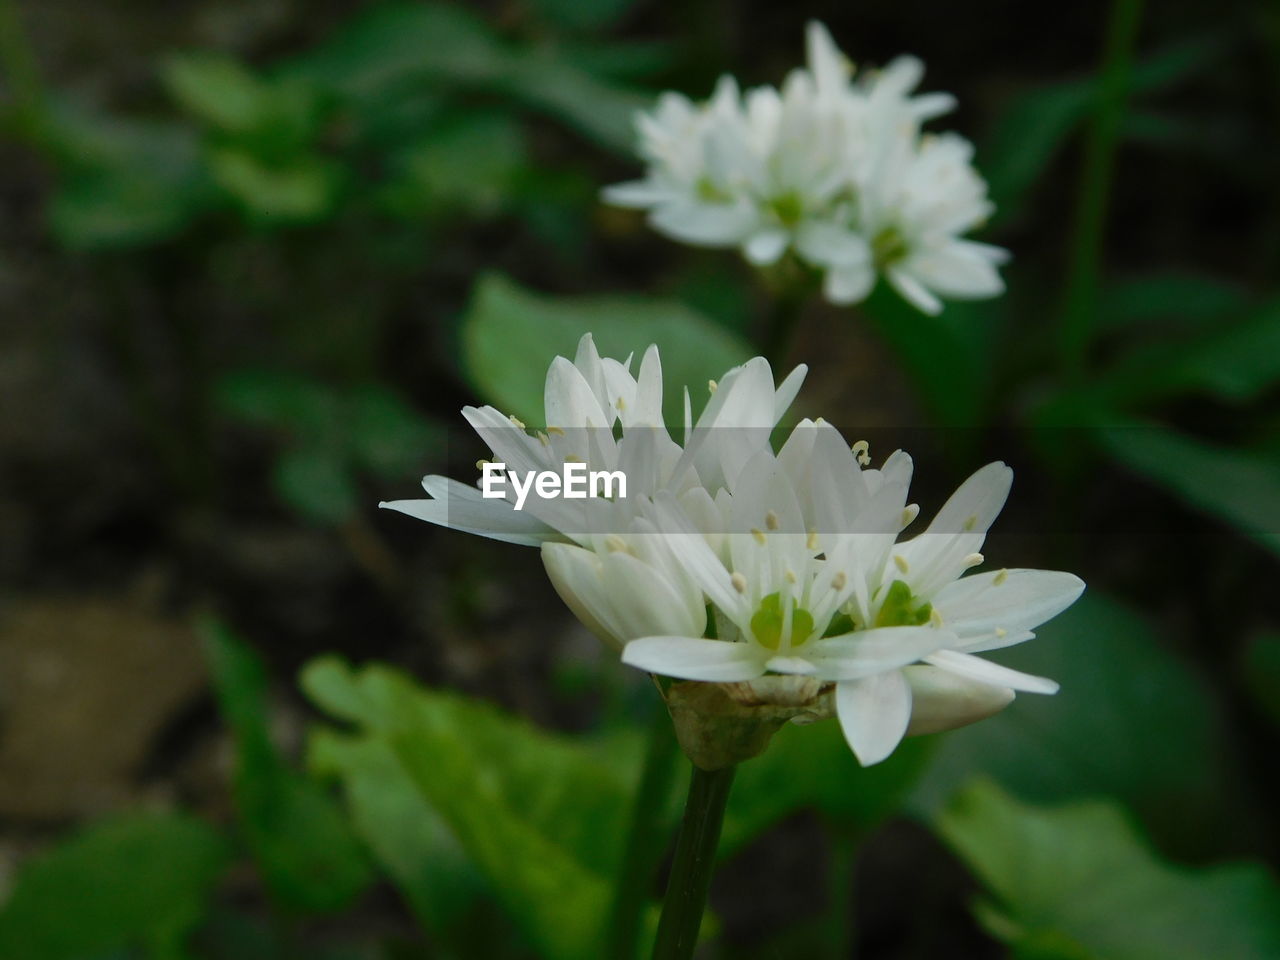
(1000, 578)
(971, 523)
(711, 386)
(543, 438)
(517, 421)
(973, 560)
(791, 576)
(811, 542)
(481, 463)
(771, 520)
(615, 544)
(900, 562)
(839, 580)
(909, 513)
(759, 535)
(862, 452)
(558, 431)
(1001, 632)
(573, 458)
(739, 582)
(620, 404)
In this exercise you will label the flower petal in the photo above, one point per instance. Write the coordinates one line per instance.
(990, 607)
(941, 700)
(866, 652)
(460, 507)
(874, 713)
(984, 671)
(688, 658)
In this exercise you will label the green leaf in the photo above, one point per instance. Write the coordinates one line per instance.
(217, 89)
(541, 817)
(812, 768)
(141, 880)
(388, 436)
(303, 190)
(1260, 668)
(1079, 882)
(1235, 361)
(1163, 299)
(124, 183)
(316, 483)
(1131, 721)
(510, 336)
(1235, 486)
(582, 14)
(1036, 124)
(301, 408)
(470, 164)
(305, 850)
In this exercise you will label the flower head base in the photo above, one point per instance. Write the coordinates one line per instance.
(835, 171)
(774, 583)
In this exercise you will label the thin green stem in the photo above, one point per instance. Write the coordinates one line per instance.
(693, 865)
(646, 841)
(1080, 309)
(21, 72)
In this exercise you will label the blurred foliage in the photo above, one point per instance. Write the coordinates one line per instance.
(1078, 882)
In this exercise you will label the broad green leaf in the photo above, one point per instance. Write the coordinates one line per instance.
(600, 110)
(305, 850)
(1235, 361)
(141, 880)
(300, 408)
(542, 817)
(582, 14)
(510, 336)
(469, 163)
(1132, 721)
(1260, 668)
(1164, 299)
(1036, 124)
(1235, 486)
(1078, 882)
(812, 768)
(217, 89)
(387, 436)
(316, 483)
(945, 355)
(301, 191)
(124, 183)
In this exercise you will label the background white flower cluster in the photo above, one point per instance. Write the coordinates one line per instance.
(832, 168)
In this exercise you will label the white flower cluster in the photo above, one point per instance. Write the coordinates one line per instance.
(833, 169)
(795, 553)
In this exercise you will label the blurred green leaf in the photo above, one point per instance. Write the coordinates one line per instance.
(1233, 485)
(303, 409)
(582, 14)
(142, 880)
(469, 163)
(1165, 300)
(1261, 673)
(124, 183)
(388, 436)
(301, 191)
(235, 935)
(945, 354)
(1078, 882)
(1131, 721)
(619, 59)
(1037, 123)
(217, 89)
(599, 109)
(1232, 361)
(316, 483)
(540, 816)
(305, 850)
(812, 768)
(510, 336)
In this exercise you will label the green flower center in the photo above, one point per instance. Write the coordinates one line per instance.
(766, 623)
(888, 246)
(788, 208)
(901, 608)
(711, 192)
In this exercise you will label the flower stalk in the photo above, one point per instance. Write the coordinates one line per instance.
(694, 863)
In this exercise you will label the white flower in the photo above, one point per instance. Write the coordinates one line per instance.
(833, 170)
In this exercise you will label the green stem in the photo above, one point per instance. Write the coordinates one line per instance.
(1080, 310)
(646, 841)
(693, 865)
(20, 70)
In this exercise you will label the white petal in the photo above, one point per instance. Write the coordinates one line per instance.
(1012, 601)
(692, 659)
(795, 665)
(865, 652)
(829, 245)
(636, 193)
(710, 225)
(984, 671)
(766, 246)
(941, 700)
(956, 271)
(851, 284)
(460, 507)
(575, 574)
(874, 713)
